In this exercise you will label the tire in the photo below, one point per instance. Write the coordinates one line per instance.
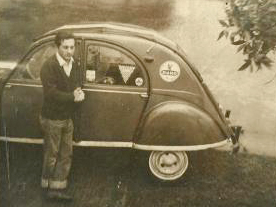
(168, 165)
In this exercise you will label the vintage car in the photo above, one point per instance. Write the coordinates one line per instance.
(141, 92)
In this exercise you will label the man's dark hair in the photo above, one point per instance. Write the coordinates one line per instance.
(63, 36)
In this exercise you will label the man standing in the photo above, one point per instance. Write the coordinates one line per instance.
(60, 78)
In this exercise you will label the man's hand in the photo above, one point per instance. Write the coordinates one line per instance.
(79, 95)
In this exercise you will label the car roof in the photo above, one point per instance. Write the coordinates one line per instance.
(116, 29)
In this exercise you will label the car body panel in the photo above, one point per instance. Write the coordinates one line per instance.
(182, 124)
(110, 113)
(174, 109)
(21, 106)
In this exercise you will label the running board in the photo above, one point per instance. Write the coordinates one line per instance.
(125, 144)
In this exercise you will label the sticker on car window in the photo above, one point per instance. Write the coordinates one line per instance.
(139, 81)
(169, 71)
(126, 71)
(90, 75)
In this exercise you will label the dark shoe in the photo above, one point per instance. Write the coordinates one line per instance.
(59, 195)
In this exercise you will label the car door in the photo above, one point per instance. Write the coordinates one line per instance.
(116, 93)
(23, 95)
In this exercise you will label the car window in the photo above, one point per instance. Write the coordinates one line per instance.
(31, 66)
(106, 65)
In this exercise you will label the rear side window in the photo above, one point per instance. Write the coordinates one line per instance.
(106, 65)
(30, 68)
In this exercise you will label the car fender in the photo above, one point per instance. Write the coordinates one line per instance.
(179, 124)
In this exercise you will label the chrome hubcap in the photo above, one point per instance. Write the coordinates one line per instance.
(168, 165)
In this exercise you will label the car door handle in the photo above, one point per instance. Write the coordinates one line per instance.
(144, 95)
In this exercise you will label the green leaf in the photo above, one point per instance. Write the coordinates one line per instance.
(266, 61)
(247, 49)
(226, 33)
(239, 42)
(245, 65)
(241, 47)
(252, 28)
(233, 35)
(223, 23)
(258, 64)
(268, 65)
(221, 34)
(251, 68)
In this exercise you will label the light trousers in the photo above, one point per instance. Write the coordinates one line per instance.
(58, 150)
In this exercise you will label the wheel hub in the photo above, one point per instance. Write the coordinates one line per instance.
(168, 165)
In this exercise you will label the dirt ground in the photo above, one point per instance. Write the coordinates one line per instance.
(120, 178)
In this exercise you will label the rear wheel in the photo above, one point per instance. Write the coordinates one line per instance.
(168, 165)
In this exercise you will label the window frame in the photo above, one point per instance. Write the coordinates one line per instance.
(26, 58)
(88, 42)
(22, 64)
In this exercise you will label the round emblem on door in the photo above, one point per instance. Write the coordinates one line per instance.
(139, 81)
(169, 71)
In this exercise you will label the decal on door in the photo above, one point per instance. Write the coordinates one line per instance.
(169, 71)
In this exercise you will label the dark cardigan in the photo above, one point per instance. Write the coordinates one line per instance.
(58, 90)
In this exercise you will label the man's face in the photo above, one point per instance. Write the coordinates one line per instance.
(66, 49)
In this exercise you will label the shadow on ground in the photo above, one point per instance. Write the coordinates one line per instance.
(113, 177)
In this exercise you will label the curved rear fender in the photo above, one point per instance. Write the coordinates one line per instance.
(179, 124)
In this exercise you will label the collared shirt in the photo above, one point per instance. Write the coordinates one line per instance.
(66, 66)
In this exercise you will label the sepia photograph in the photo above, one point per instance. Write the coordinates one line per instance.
(138, 103)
